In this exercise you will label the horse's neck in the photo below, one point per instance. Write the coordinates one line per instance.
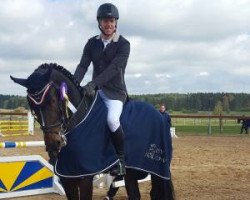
(73, 92)
(80, 102)
(82, 110)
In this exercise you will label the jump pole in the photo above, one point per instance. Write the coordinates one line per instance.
(29, 127)
(21, 144)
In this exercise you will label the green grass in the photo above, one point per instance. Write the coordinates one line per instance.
(203, 130)
(199, 126)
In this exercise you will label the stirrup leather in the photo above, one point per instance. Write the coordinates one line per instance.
(118, 170)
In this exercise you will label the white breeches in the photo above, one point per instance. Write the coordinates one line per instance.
(114, 111)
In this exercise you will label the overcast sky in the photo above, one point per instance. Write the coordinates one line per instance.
(176, 45)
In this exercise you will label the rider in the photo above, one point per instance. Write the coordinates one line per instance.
(109, 54)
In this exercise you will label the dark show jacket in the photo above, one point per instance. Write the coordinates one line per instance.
(167, 117)
(108, 65)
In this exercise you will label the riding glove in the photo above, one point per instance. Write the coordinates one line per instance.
(89, 89)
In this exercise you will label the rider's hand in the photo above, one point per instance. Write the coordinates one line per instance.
(89, 89)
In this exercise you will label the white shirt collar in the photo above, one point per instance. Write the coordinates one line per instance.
(115, 37)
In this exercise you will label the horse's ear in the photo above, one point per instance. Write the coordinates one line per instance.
(19, 81)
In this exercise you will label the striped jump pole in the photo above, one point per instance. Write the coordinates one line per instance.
(17, 127)
(10, 144)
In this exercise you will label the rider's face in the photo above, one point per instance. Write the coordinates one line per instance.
(162, 108)
(108, 26)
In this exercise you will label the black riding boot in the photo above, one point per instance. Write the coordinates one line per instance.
(117, 139)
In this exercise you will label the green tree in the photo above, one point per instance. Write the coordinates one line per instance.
(218, 108)
(226, 103)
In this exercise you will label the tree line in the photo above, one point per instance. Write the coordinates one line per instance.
(191, 102)
(12, 101)
(194, 102)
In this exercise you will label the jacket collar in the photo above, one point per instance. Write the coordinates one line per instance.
(115, 37)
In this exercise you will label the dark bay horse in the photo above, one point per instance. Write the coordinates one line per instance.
(59, 104)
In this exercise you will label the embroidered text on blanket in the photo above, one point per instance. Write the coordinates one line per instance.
(156, 153)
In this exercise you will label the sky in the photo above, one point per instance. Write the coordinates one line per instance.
(177, 46)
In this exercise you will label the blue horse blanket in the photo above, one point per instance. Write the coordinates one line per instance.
(148, 143)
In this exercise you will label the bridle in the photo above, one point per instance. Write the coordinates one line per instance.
(50, 104)
(38, 101)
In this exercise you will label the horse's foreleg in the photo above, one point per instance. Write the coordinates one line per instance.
(161, 189)
(71, 188)
(131, 185)
(86, 188)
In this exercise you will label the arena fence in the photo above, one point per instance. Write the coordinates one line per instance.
(13, 124)
(210, 121)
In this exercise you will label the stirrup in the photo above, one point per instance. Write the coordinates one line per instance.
(118, 170)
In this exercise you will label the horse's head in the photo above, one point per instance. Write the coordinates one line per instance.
(46, 98)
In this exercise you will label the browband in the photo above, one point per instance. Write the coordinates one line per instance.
(44, 91)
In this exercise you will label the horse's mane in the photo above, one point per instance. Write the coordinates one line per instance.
(82, 105)
(64, 71)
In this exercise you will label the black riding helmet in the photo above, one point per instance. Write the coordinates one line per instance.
(107, 10)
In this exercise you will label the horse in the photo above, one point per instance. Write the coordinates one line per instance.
(59, 104)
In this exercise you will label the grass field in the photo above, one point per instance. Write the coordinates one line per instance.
(185, 126)
(204, 130)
